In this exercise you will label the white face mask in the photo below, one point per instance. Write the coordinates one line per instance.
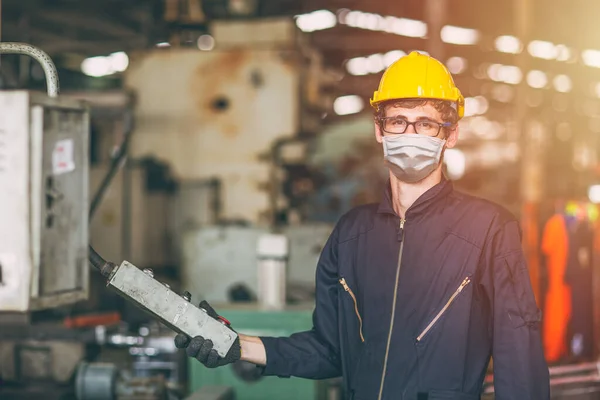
(412, 157)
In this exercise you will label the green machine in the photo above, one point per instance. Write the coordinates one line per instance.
(244, 377)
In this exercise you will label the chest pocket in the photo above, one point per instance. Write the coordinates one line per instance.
(356, 311)
(443, 310)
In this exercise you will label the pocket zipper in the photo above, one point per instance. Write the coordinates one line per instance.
(464, 283)
(347, 289)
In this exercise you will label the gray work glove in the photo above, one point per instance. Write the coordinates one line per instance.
(202, 349)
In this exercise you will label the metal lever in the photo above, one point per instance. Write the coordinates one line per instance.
(40, 56)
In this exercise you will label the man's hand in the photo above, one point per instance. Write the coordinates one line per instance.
(202, 349)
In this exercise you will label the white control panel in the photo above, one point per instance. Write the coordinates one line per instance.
(43, 201)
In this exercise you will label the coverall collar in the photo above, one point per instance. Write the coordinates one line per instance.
(437, 192)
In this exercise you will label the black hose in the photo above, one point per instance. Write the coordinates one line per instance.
(100, 263)
(115, 165)
(96, 259)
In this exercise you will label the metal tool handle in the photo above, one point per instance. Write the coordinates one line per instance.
(41, 57)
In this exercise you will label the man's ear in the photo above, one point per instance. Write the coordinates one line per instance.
(378, 132)
(452, 137)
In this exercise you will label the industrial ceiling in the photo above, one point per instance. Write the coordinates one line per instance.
(72, 30)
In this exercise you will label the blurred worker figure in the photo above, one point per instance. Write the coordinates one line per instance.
(557, 305)
(414, 294)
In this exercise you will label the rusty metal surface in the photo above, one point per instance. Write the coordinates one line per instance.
(215, 115)
(169, 307)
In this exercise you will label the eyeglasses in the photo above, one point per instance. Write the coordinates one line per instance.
(396, 125)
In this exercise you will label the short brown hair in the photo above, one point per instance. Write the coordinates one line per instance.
(445, 108)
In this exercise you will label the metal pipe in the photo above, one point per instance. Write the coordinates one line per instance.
(40, 56)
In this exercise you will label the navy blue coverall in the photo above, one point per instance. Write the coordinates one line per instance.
(463, 294)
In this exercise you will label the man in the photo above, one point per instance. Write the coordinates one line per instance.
(413, 295)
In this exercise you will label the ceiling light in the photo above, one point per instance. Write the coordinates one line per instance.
(96, 66)
(471, 107)
(508, 44)
(542, 49)
(375, 63)
(562, 83)
(505, 73)
(408, 27)
(103, 66)
(316, 21)
(510, 74)
(563, 53)
(594, 194)
(346, 105)
(455, 161)
(342, 14)
(357, 66)
(537, 79)
(119, 61)
(493, 72)
(476, 106)
(456, 65)
(483, 103)
(591, 58)
(373, 22)
(458, 35)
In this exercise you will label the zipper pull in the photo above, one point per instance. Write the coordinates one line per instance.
(401, 230)
(344, 284)
(464, 283)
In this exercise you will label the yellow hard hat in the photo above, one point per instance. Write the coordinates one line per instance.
(418, 76)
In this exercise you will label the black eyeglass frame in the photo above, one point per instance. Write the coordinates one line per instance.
(408, 123)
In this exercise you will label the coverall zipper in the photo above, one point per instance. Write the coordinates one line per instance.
(464, 283)
(360, 322)
(387, 348)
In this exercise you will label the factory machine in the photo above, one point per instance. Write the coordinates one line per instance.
(44, 253)
(46, 350)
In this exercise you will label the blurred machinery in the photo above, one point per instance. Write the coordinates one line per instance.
(228, 108)
(218, 260)
(45, 254)
(153, 372)
(44, 233)
(245, 378)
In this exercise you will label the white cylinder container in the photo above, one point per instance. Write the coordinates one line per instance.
(272, 254)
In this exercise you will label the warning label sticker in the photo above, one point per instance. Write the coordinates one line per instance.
(62, 157)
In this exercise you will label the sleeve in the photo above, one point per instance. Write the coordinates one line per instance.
(520, 369)
(314, 354)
